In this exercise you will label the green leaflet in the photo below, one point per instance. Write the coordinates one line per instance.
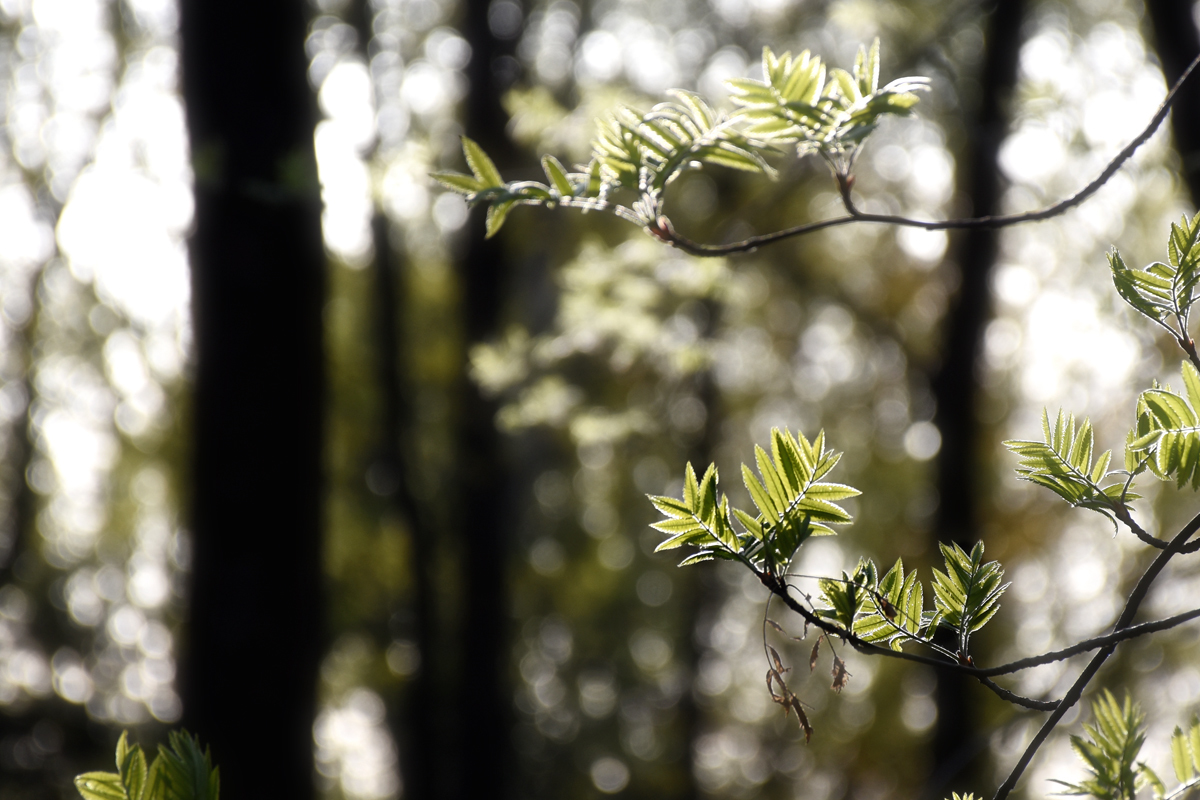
(967, 594)
(796, 103)
(1062, 462)
(1164, 292)
(792, 502)
(700, 519)
(1110, 752)
(895, 609)
(646, 152)
(182, 771)
(1167, 436)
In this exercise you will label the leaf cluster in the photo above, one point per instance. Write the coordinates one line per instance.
(830, 115)
(1110, 751)
(181, 771)
(1185, 760)
(1062, 462)
(793, 504)
(1167, 437)
(1164, 292)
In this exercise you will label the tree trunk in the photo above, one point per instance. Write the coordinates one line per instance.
(484, 518)
(249, 674)
(957, 742)
(1178, 43)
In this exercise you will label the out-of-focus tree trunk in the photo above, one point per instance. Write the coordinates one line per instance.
(957, 740)
(255, 626)
(484, 706)
(1177, 42)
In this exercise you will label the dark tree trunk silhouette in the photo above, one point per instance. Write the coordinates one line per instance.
(255, 627)
(484, 710)
(957, 742)
(1177, 42)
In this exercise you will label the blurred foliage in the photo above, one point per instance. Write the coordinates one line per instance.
(621, 360)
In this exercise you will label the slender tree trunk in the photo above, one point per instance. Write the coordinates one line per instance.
(485, 516)
(258, 285)
(1178, 43)
(957, 742)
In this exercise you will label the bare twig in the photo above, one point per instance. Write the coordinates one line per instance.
(991, 221)
(1132, 632)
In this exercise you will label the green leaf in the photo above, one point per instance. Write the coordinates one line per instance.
(131, 767)
(496, 214)
(184, 771)
(558, 176)
(101, 786)
(795, 103)
(464, 184)
(1110, 751)
(1164, 292)
(1063, 464)
(1167, 437)
(967, 594)
(1181, 757)
(481, 165)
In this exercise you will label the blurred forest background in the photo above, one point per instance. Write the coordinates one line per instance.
(372, 509)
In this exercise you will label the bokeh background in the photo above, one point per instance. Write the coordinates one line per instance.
(488, 615)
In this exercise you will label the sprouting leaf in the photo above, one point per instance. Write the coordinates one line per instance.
(795, 103)
(792, 502)
(895, 609)
(184, 770)
(1167, 436)
(645, 152)
(816, 651)
(558, 176)
(1110, 751)
(463, 184)
(1164, 292)
(131, 767)
(1062, 462)
(481, 165)
(967, 594)
(700, 518)
(100, 786)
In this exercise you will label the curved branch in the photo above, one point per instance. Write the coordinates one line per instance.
(666, 233)
(1076, 691)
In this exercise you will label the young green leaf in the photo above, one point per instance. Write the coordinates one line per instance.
(1164, 292)
(700, 519)
(967, 594)
(481, 165)
(793, 503)
(795, 103)
(184, 771)
(1063, 464)
(1110, 751)
(895, 607)
(1167, 436)
(558, 176)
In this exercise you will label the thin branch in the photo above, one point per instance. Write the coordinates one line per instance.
(780, 590)
(1121, 511)
(1132, 632)
(668, 234)
(1076, 691)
